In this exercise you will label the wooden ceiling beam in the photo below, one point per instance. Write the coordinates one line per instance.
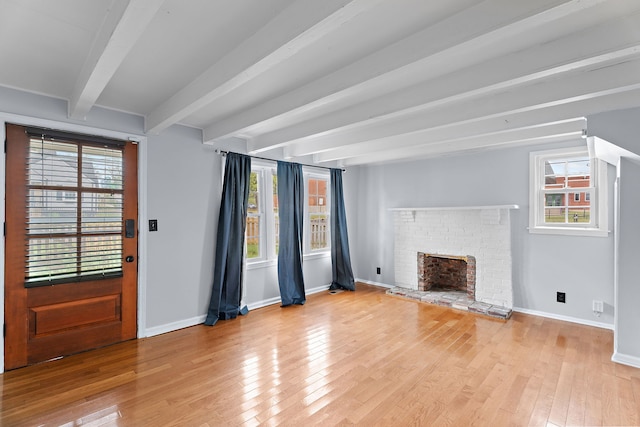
(614, 79)
(123, 25)
(403, 63)
(582, 50)
(296, 27)
(575, 127)
(577, 108)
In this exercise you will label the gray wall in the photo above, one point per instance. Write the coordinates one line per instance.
(622, 128)
(542, 264)
(183, 194)
(627, 337)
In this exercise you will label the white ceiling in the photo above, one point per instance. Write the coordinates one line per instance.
(346, 81)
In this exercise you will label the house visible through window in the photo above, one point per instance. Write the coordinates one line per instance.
(558, 178)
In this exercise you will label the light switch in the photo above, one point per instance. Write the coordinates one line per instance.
(153, 225)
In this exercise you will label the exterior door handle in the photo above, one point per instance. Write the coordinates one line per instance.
(129, 258)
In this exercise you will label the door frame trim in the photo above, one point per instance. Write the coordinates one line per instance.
(142, 203)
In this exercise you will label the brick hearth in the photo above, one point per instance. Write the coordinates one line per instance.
(458, 300)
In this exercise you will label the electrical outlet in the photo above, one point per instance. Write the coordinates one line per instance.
(377, 270)
(598, 306)
(561, 297)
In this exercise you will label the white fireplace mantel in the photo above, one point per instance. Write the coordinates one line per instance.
(457, 208)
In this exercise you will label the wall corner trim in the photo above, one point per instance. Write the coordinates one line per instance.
(626, 359)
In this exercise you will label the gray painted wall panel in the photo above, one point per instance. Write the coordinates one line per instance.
(628, 286)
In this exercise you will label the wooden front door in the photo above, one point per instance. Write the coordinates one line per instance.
(70, 244)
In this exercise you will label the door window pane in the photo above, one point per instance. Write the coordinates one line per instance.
(74, 212)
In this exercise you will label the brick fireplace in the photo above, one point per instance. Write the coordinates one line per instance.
(479, 236)
(447, 272)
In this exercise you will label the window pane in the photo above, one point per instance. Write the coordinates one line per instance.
(554, 173)
(318, 213)
(50, 258)
(49, 214)
(74, 231)
(253, 206)
(101, 254)
(578, 209)
(580, 215)
(101, 168)
(567, 173)
(253, 236)
(52, 163)
(578, 166)
(554, 208)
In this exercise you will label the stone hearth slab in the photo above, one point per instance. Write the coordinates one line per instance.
(454, 299)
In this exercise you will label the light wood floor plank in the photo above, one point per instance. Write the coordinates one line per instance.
(353, 358)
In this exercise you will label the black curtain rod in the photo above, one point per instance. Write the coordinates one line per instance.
(224, 153)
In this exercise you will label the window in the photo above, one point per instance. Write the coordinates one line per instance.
(74, 212)
(317, 219)
(261, 238)
(556, 206)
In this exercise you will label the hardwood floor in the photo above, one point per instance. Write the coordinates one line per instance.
(361, 358)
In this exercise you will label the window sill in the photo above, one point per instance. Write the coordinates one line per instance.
(317, 255)
(569, 231)
(254, 265)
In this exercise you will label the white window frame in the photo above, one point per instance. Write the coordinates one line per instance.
(598, 225)
(268, 256)
(267, 248)
(307, 219)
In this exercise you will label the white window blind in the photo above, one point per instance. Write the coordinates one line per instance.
(74, 211)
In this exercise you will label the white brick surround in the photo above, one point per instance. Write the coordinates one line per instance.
(483, 232)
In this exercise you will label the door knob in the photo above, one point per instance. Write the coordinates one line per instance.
(129, 258)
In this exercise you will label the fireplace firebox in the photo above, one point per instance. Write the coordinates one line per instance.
(447, 272)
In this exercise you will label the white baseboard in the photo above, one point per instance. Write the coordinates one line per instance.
(263, 303)
(625, 359)
(174, 326)
(277, 300)
(369, 282)
(564, 318)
